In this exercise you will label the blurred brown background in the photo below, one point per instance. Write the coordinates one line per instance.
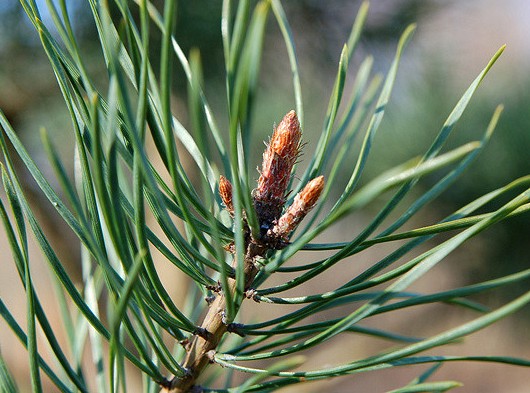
(454, 41)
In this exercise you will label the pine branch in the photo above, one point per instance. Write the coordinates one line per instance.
(269, 201)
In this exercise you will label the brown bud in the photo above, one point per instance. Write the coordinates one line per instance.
(225, 191)
(303, 202)
(278, 161)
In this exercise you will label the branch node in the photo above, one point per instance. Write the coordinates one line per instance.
(210, 299)
(186, 344)
(165, 383)
(224, 318)
(211, 355)
(202, 332)
(251, 293)
(215, 288)
(235, 328)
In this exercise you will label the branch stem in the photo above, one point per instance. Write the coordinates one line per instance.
(213, 328)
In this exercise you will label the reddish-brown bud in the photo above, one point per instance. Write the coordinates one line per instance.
(278, 161)
(303, 202)
(225, 191)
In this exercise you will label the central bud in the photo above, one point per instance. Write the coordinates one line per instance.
(278, 160)
(276, 220)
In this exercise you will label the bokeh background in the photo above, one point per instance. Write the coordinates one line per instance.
(453, 42)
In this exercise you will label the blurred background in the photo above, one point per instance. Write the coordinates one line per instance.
(453, 42)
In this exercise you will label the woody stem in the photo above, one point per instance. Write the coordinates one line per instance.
(213, 328)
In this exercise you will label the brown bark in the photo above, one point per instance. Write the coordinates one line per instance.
(212, 328)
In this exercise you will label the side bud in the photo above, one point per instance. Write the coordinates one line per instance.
(225, 191)
(303, 202)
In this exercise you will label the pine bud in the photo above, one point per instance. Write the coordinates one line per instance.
(303, 202)
(225, 191)
(278, 161)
